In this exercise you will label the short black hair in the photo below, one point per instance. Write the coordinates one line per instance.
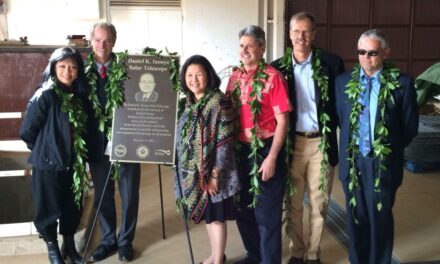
(80, 85)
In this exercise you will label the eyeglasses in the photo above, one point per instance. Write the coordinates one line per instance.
(306, 33)
(371, 53)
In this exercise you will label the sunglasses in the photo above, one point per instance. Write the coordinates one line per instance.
(371, 53)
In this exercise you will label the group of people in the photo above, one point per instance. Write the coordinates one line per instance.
(272, 132)
(287, 116)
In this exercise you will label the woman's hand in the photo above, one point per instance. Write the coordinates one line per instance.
(213, 182)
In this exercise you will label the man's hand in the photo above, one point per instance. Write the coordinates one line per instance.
(267, 168)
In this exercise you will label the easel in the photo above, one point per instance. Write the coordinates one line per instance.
(91, 228)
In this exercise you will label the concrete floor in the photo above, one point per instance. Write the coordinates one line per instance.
(416, 214)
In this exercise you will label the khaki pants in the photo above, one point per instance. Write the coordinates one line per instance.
(306, 173)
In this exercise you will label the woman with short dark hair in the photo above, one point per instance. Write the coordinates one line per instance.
(53, 130)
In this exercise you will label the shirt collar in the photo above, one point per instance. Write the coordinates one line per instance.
(99, 65)
(375, 76)
(309, 59)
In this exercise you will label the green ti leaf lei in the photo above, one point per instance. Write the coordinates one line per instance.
(322, 81)
(389, 82)
(256, 143)
(286, 70)
(114, 93)
(72, 106)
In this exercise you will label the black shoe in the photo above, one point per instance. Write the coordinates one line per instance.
(102, 252)
(313, 261)
(54, 253)
(224, 259)
(68, 249)
(126, 253)
(295, 260)
(246, 260)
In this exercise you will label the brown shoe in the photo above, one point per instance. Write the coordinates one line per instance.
(295, 260)
(313, 261)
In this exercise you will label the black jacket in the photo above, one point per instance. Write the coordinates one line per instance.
(96, 141)
(46, 131)
(331, 65)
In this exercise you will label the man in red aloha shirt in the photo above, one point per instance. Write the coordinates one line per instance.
(260, 227)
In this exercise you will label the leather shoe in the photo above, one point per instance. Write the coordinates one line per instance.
(126, 253)
(102, 252)
(313, 261)
(224, 259)
(295, 260)
(246, 260)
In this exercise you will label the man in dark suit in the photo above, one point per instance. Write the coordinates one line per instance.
(103, 37)
(311, 99)
(369, 173)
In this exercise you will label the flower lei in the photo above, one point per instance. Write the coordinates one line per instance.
(389, 82)
(322, 81)
(255, 107)
(72, 106)
(113, 91)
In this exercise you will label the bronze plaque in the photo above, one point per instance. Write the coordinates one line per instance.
(144, 126)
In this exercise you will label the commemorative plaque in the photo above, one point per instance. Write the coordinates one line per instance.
(144, 126)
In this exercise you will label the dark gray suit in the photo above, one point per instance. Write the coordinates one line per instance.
(371, 240)
(128, 182)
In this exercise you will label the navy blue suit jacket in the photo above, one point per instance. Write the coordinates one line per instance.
(401, 120)
(331, 65)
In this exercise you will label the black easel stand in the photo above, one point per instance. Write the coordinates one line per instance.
(161, 207)
(97, 212)
(161, 201)
(186, 223)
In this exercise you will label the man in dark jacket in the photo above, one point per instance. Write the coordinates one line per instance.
(310, 73)
(103, 38)
(378, 118)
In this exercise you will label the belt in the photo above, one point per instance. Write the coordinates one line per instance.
(312, 134)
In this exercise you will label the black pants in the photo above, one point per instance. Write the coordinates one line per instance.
(53, 200)
(128, 184)
(371, 239)
(260, 227)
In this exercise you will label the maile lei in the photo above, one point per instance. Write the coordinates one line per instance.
(255, 106)
(389, 82)
(321, 79)
(72, 106)
(113, 91)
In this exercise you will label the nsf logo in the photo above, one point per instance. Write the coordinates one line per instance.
(120, 151)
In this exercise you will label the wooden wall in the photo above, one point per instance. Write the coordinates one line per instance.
(413, 27)
(21, 71)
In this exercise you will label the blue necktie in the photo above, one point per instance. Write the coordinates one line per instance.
(364, 119)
